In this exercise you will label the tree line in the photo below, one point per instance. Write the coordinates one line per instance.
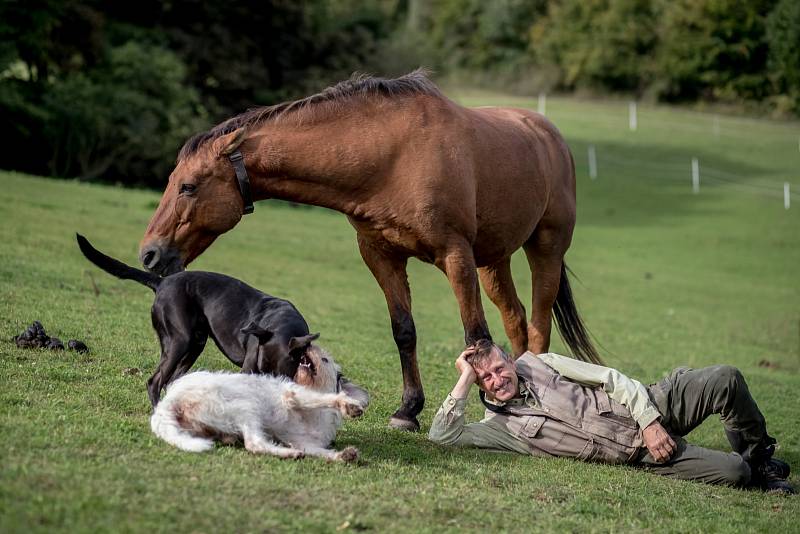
(110, 90)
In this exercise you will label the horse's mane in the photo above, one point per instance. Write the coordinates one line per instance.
(415, 82)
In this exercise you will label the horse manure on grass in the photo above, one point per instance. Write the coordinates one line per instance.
(78, 346)
(54, 344)
(35, 337)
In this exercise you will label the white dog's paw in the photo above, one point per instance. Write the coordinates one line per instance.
(292, 454)
(350, 407)
(289, 399)
(348, 455)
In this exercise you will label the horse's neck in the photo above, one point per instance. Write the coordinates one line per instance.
(330, 163)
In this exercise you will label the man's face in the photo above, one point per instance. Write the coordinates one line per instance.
(497, 376)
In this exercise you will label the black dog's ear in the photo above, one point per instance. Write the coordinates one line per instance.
(262, 334)
(301, 342)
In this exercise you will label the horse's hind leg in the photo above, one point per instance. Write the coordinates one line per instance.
(390, 272)
(545, 251)
(499, 286)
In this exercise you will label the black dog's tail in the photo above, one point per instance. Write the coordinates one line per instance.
(115, 267)
(570, 325)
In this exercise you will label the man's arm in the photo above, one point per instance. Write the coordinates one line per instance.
(449, 428)
(626, 391)
(466, 377)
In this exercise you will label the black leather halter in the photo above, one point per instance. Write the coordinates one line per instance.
(244, 182)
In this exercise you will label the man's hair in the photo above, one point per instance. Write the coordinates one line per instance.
(481, 351)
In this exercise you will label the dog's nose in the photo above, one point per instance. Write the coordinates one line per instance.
(150, 257)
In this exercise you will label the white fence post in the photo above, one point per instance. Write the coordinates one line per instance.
(695, 176)
(592, 162)
(786, 196)
(542, 103)
(632, 116)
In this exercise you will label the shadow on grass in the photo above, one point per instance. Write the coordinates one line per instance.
(393, 449)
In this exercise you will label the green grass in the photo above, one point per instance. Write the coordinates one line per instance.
(667, 278)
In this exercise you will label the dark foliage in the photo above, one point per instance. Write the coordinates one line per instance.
(111, 90)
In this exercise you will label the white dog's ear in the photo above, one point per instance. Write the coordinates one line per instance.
(262, 334)
(357, 392)
(301, 342)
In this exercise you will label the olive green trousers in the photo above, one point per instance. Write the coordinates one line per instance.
(685, 399)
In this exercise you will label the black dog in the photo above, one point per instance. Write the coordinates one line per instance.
(258, 332)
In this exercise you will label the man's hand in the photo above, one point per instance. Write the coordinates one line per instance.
(658, 442)
(464, 367)
(466, 377)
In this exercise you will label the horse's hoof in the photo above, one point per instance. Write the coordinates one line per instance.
(399, 423)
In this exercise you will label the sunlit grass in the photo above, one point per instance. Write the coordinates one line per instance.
(667, 278)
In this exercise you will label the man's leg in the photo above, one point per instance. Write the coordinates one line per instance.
(690, 462)
(687, 396)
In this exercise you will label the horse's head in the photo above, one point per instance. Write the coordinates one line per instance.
(202, 200)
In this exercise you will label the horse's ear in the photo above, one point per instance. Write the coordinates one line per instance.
(233, 140)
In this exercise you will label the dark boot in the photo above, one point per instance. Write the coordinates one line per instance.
(768, 473)
(753, 453)
(769, 476)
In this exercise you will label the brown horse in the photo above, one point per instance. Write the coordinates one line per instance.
(417, 175)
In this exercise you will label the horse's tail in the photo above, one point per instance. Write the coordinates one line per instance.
(569, 322)
(165, 425)
(115, 267)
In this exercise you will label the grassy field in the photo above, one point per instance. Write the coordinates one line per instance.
(667, 278)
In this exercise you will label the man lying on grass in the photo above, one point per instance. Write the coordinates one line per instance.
(551, 405)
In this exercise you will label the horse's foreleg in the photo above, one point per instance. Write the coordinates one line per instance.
(545, 255)
(459, 266)
(390, 272)
(499, 286)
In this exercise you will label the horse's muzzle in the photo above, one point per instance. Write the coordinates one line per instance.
(161, 260)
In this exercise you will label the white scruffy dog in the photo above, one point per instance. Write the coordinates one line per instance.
(272, 415)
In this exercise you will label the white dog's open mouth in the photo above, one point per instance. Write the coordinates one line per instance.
(306, 365)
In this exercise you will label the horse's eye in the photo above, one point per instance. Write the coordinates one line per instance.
(188, 188)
